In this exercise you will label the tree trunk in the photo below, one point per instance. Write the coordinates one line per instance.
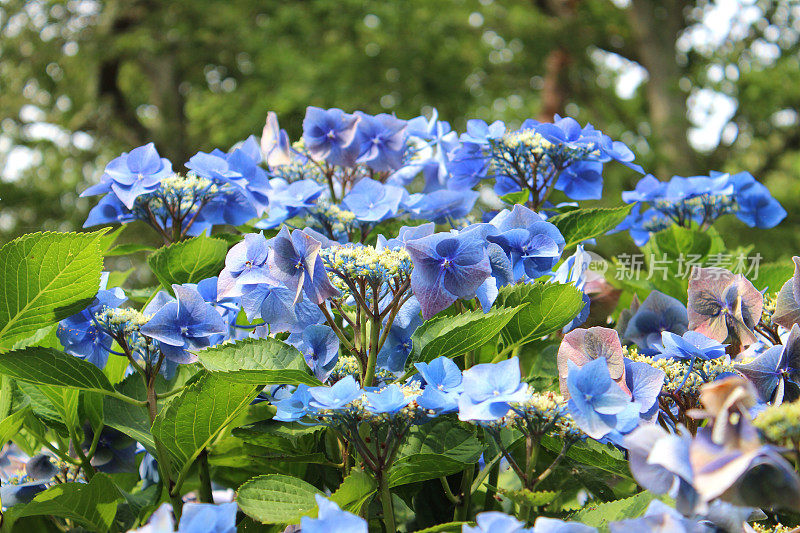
(656, 25)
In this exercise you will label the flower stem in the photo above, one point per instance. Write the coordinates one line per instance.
(386, 503)
(206, 496)
(462, 509)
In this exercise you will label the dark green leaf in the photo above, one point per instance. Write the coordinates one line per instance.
(46, 366)
(277, 499)
(355, 491)
(519, 197)
(601, 515)
(421, 467)
(443, 436)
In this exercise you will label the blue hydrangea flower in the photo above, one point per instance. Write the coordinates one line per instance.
(533, 245)
(275, 305)
(294, 261)
(658, 313)
(39, 471)
(287, 200)
(446, 267)
(580, 346)
(331, 519)
(442, 206)
(184, 324)
(645, 383)
(389, 400)
(133, 174)
(336, 396)
(755, 205)
(495, 522)
(659, 461)
(775, 372)
(320, 348)
(245, 266)
(692, 345)
(442, 374)
(488, 389)
(372, 201)
(195, 518)
(109, 210)
(381, 140)
(329, 136)
(722, 304)
(479, 132)
(582, 180)
(660, 518)
(115, 452)
(79, 334)
(295, 406)
(398, 344)
(598, 405)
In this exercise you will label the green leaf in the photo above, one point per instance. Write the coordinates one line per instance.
(277, 499)
(519, 197)
(258, 361)
(291, 438)
(65, 401)
(46, 366)
(10, 425)
(355, 491)
(450, 336)
(44, 278)
(601, 515)
(548, 307)
(188, 261)
(772, 276)
(445, 437)
(583, 224)
(421, 467)
(92, 504)
(448, 527)
(192, 420)
(127, 249)
(594, 454)
(525, 497)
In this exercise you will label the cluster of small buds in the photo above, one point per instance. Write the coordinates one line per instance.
(780, 424)
(178, 193)
(357, 410)
(656, 224)
(125, 323)
(675, 371)
(347, 365)
(764, 528)
(528, 140)
(703, 207)
(367, 263)
(770, 302)
(336, 221)
(547, 411)
(21, 477)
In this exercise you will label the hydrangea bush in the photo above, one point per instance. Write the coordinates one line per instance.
(386, 325)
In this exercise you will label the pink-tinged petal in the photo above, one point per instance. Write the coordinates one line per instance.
(583, 345)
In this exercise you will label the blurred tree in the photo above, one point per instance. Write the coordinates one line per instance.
(81, 81)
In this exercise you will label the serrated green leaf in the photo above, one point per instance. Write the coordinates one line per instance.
(190, 422)
(450, 336)
(593, 454)
(527, 497)
(445, 437)
(601, 515)
(65, 401)
(258, 361)
(281, 436)
(421, 467)
(46, 366)
(448, 527)
(583, 224)
(127, 249)
(276, 499)
(44, 278)
(188, 261)
(92, 504)
(355, 491)
(548, 307)
(10, 425)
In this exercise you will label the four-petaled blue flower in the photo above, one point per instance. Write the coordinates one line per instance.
(329, 135)
(446, 267)
(320, 348)
(336, 396)
(372, 201)
(389, 400)
(133, 174)
(775, 372)
(295, 406)
(495, 522)
(381, 140)
(658, 313)
(294, 261)
(533, 244)
(489, 389)
(184, 324)
(598, 405)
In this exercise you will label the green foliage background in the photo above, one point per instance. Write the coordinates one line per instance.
(81, 81)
